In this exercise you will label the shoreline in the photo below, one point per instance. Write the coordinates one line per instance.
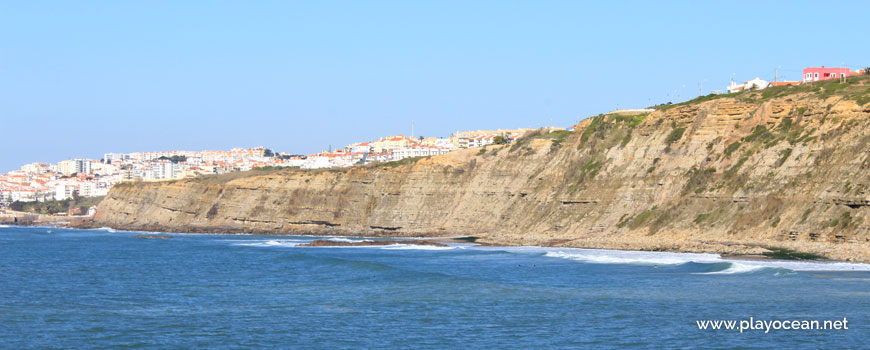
(480, 240)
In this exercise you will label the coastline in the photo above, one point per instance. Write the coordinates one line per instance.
(729, 250)
(682, 183)
(11, 217)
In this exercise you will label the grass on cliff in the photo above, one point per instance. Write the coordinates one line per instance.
(557, 136)
(698, 179)
(54, 207)
(788, 254)
(397, 163)
(610, 130)
(271, 167)
(675, 135)
(224, 178)
(699, 99)
(855, 88)
(602, 133)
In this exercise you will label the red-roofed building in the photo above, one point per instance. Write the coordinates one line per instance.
(480, 140)
(390, 143)
(362, 147)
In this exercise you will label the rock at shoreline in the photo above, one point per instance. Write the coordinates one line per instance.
(328, 243)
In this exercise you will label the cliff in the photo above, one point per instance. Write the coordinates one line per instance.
(783, 167)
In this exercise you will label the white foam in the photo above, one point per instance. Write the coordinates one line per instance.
(413, 247)
(597, 256)
(735, 268)
(600, 256)
(108, 229)
(808, 265)
(270, 243)
(199, 234)
(5, 226)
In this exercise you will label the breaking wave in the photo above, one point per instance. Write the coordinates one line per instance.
(734, 268)
(271, 243)
(414, 247)
(596, 256)
(715, 265)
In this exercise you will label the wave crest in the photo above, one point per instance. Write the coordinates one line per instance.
(270, 243)
(601, 256)
(632, 257)
(735, 268)
(414, 247)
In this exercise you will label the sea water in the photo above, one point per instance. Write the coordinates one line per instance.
(63, 288)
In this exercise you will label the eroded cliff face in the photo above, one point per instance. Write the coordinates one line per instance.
(726, 175)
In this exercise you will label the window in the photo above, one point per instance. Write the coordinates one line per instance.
(842, 75)
(816, 75)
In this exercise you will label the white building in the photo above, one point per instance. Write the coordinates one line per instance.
(24, 195)
(164, 171)
(35, 168)
(754, 84)
(110, 157)
(421, 151)
(362, 147)
(480, 140)
(316, 162)
(442, 142)
(74, 166)
(64, 192)
(377, 157)
(5, 196)
(93, 189)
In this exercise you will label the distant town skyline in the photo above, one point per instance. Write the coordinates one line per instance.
(80, 79)
(83, 177)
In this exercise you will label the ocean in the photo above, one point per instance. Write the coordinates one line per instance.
(69, 289)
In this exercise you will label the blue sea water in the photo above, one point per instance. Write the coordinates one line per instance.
(63, 288)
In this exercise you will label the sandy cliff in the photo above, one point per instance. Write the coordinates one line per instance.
(785, 167)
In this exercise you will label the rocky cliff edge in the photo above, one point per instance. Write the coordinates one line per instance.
(783, 167)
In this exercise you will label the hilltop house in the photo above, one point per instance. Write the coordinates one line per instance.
(754, 84)
(822, 73)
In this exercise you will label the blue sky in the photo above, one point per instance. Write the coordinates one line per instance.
(78, 79)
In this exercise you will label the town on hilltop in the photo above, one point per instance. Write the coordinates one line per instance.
(42, 182)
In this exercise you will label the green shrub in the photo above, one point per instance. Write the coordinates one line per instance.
(675, 135)
(783, 156)
(641, 219)
(788, 254)
(731, 148)
(397, 163)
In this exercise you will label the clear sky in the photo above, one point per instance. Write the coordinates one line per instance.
(82, 78)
